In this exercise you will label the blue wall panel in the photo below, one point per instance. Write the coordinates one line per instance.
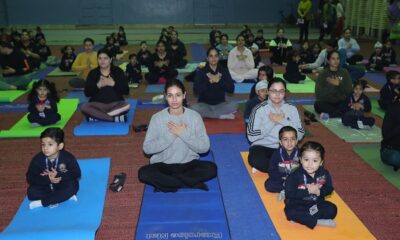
(3, 13)
(145, 11)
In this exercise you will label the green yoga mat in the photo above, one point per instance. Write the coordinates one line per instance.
(348, 134)
(376, 109)
(58, 73)
(66, 108)
(10, 95)
(370, 153)
(307, 87)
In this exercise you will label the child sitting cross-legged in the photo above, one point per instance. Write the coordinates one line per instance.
(53, 174)
(283, 161)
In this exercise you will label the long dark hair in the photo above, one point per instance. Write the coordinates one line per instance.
(47, 84)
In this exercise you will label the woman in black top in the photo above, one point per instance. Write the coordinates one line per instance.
(106, 85)
(178, 51)
(160, 67)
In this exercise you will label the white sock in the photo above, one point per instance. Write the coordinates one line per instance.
(227, 116)
(281, 196)
(35, 204)
(326, 222)
(74, 198)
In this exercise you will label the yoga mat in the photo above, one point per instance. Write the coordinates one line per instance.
(376, 109)
(66, 108)
(190, 67)
(11, 95)
(101, 128)
(198, 52)
(57, 72)
(300, 100)
(348, 226)
(378, 78)
(394, 68)
(307, 87)
(370, 153)
(245, 212)
(70, 220)
(243, 88)
(346, 133)
(42, 73)
(155, 88)
(78, 94)
(188, 213)
(150, 105)
(14, 107)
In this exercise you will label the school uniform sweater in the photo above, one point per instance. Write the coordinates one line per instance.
(363, 100)
(282, 164)
(43, 51)
(387, 95)
(178, 52)
(391, 127)
(292, 73)
(326, 92)
(165, 68)
(67, 168)
(168, 148)
(296, 193)
(262, 131)
(134, 72)
(390, 55)
(16, 60)
(212, 93)
(144, 57)
(47, 111)
(67, 61)
(106, 94)
(378, 60)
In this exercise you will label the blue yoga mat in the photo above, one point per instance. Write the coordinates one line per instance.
(301, 101)
(155, 88)
(188, 212)
(198, 52)
(70, 220)
(149, 105)
(13, 107)
(246, 213)
(41, 74)
(378, 78)
(79, 94)
(101, 128)
(243, 88)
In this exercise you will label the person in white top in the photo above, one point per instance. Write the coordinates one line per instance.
(241, 62)
(351, 47)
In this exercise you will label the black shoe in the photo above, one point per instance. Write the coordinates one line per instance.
(140, 128)
(118, 183)
(310, 116)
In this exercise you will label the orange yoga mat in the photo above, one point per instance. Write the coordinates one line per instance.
(348, 226)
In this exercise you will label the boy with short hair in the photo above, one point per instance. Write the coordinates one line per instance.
(53, 174)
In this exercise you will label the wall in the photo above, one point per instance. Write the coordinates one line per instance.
(81, 12)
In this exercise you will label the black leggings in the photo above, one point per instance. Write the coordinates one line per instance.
(171, 177)
(333, 109)
(259, 157)
(48, 120)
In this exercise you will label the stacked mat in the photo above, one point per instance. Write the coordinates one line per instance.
(186, 214)
(66, 108)
(70, 220)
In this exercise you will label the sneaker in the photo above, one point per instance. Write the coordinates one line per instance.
(119, 110)
(121, 118)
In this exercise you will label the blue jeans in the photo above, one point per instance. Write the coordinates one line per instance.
(391, 157)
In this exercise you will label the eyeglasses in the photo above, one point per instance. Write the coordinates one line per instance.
(277, 92)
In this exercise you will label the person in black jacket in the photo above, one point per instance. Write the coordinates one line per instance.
(53, 174)
(42, 49)
(210, 85)
(390, 145)
(293, 74)
(42, 107)
(133, 71)
(68, 58)
(144, 55)
(307, 187)
(29, 49)
(160, 65)
(279, 47)
(121, 36)
(376, 61)
(105, 86)
(178, 51)
(389, 53)
(388, 91)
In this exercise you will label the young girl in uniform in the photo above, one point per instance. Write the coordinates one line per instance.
(42, 107)
(307, 187)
